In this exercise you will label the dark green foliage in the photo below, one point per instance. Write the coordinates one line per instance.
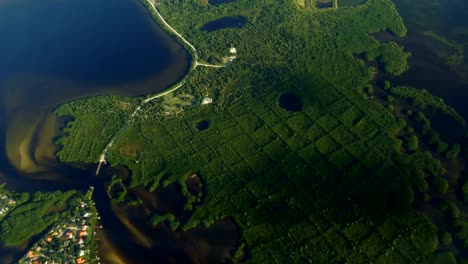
(328, 122)
(166, 218)
(326, 145)
(33, 217)
(283, 131)
(464, 188)
(387, 85)
(426, 197)
(299, 123)
(369, 89)
(412, 143)
(441, 147)
(262, 136)
(453, 152)
(391, 56)
(103, 117)
(357, 231)
(450, 209)
(445, 258)
(424, 100)
(462, 232)
(440, 184)
(419, 182)
(431, 136)
(249, 122)
(445, 238)
(373, 246)
(424, 123)
(240, 253)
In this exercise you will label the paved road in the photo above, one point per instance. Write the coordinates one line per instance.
(103, 156)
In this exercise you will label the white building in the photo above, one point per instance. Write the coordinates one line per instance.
(207, 100)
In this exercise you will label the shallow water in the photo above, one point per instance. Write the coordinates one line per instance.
(428, 68)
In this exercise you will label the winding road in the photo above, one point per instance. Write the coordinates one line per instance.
(195, 64)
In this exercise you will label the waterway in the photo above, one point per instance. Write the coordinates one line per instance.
(437, 31)
(438, 41)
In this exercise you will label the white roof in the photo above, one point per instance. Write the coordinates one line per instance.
(207, 100)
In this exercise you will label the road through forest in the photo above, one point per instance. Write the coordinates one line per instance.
(195, 64)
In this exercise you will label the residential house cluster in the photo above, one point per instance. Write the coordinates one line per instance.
(6, 203)
(71, 241)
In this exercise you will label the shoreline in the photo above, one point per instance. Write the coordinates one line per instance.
(158, 18)
(169, 29)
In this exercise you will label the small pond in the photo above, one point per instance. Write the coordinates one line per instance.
(324, 4)
(202, 125)
(351, 2)
(290, 102)
(225, 22)
(220, 2)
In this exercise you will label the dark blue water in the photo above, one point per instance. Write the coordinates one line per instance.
(225, 22)
(84, 41)
(290, 102)
(428, 68)
(220, 2)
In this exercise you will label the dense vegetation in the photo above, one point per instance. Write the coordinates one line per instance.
(33, 215)
(424, 100)
(391, 56)
(326, 183)
(103, 116)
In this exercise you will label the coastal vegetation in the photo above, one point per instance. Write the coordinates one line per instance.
(33, 215)
(391, 56)
(103, 116)
(423, 100)
(306, 164)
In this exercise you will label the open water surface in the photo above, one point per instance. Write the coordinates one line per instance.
(429, 67)
(438, 41)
